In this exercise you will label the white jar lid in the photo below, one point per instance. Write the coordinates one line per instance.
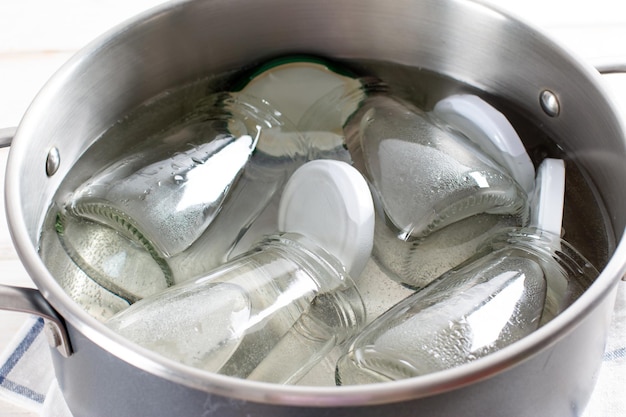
(330, 203)
(546, 211)
(491, 131)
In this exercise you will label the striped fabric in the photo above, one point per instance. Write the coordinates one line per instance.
(26, 368)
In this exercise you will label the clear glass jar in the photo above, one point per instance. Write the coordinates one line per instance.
(177, 205)
(169, 193)
(269, 314)
(519, 281)
(431, 184)
(425, 177)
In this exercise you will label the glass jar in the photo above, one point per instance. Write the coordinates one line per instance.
(275, 311)
(432, 185)
(269, 314)
(519, 281)
(176, 206)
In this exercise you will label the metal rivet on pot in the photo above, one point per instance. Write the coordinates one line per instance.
(57, 338)
(550, 103)
(54, 339)
(52, 161)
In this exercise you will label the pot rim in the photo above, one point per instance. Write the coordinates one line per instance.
(268, 393)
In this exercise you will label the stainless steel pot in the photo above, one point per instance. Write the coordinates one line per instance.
(549, 373)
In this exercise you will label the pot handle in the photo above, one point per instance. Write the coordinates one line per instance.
(6, 136)
(611, 68)
(29, 300)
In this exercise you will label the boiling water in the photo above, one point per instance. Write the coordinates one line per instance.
(423, 88)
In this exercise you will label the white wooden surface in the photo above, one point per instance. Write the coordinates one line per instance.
(38, 36)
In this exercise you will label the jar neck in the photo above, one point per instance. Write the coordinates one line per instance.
(548, 247)
(338, 303)
(323, 268)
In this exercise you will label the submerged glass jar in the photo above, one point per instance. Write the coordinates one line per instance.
(425, 177)
(430, 183)
(520, 280)
(176, 206)
(275, 311)
(168, 194)
(269, 314)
